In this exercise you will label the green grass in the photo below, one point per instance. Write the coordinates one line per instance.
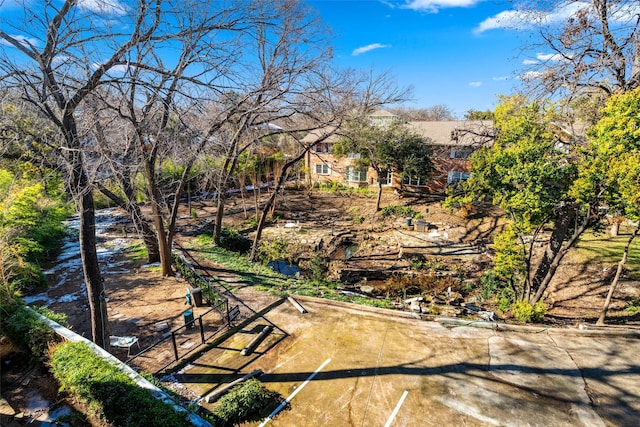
(137, 252)
(609, 250)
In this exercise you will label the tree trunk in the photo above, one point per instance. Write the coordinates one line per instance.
(140, 223)
(615, 227)
(268, 205)
(561, 227)
(158, 221)
(558, 258)
(217, 230)
(614, 283)
(92, 276)
(80, 189)
(379, 199)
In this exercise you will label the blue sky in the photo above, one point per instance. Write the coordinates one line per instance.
(452, 52)
(457, 53)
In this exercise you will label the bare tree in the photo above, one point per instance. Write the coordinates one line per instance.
(156, 110)
(435, 113)
(331, 98)
(57, 54)
(586, 49)
(281, 57)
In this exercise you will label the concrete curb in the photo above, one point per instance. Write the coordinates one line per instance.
(581, 330)
(142, 382)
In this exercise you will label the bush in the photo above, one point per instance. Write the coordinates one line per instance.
(234, 241)
(247, 402)
(525, 312)
(25, 329)
(398, 210)
(108, 391)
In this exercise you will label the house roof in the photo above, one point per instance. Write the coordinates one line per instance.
(382, 113)
(321, 135)
(455, 132)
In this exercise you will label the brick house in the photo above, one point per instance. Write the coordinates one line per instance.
(452, 143)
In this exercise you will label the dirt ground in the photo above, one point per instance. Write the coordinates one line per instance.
(145, 305)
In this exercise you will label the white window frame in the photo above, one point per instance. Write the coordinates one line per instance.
(355, 174)
(455, 177)
(323, 169)
(386, 177)
(414, 181)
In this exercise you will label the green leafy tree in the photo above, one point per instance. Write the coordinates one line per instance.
(526, 174)
(386, 148)
(478, 115)
(510, 264)
(611, 166)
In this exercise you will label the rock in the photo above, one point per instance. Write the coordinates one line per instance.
(415, 306)
(367, 289)
(413, 300)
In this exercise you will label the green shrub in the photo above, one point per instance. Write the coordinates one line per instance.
(234, 241)
(247, 402)
(490, 284)
(397, 210)
(108, 391)
(318, 267)
(24, 328)
(525, 312)
(633, 306)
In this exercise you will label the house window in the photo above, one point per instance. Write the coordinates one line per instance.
(322, 147)
(386, 177)
(454, 177)
(355, 174)
(354, 155)
(323, 169)
(414, 180)
(461, 152)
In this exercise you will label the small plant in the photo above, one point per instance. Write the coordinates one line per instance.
(356, 215)
(234, 241)
(422, 264)
(398, 210)
(318, 268)
(247, 402)
(634, 305)
(489, 283)
(525, 312)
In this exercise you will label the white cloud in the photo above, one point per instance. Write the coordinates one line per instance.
(368, 48)
(530, 75)
(530, 62)
(106, 7)
(435, 5)
(500, 78)
(20, 39)
(524, 19)
(475, 84)
(550, 57)
(117, 69)
(510, 19)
